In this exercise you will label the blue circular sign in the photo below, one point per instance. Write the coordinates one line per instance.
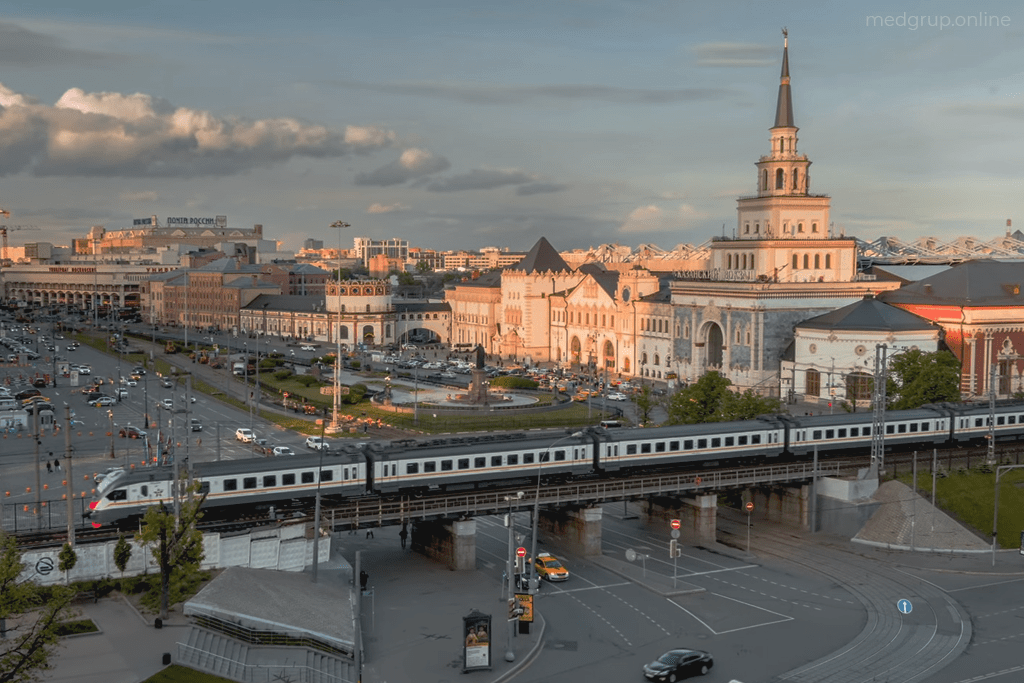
(904, 606)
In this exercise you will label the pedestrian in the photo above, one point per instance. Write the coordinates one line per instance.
(369, 533)
(56, 464)
(403, 534)
(49, 468)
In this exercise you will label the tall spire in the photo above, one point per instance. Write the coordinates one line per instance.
(784, 108)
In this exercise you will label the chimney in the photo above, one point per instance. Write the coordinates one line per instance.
(928, 289)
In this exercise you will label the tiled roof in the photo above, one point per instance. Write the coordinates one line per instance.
(867, 314)
(982, 282)
(287, 302)
(542, 258)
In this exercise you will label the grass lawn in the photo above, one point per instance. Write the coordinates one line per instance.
(70, 628)
(180, 674)
(968, 495)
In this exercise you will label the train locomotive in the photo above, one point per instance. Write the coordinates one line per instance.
(409, 467)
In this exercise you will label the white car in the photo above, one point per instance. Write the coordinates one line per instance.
(166, 404)
(128, 381)
(244, 435)
(617, 396)
(309, 347)
(317, 443)
(84, 370)
(283, 450)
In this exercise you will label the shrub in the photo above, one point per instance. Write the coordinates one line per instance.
(283, 374)
(514, 382)
(356, 392)
(355, 365)
(306, 380)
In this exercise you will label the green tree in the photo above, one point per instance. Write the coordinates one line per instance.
(644, 401)
(177, 548)
(406, 279)
(749, 405)
(917, 378)
(710, 399)
(66, 560)
(122, 554)
(30, 616)
(422, 267)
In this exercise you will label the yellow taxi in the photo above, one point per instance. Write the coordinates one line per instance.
(548, 567)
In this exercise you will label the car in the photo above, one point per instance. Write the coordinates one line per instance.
(166, 404)
(244, 435)
(548, 567)
(129, 382)
(131, 432)
(308, 347)
(617, 396)
(317, 443)
(39, 382)
(192, 399)
(84, 370)
(136, 375)
(283, 450)
(139, 370)
(27, 393)
(195, 425)
(120, 393)
(676, 664)
(166, 383)
(103, 401)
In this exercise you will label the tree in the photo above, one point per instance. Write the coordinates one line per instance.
(122, 554)
(67, 560)
(917, 378)
(422, 267)
(644, 401)
(177, 548)
(30, 616)
(710, 399)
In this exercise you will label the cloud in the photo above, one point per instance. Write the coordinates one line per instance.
(540, 188)
(652, 218)
(116, 135)
(735, 55)
(140, 196)
(480, 179)
(20, 47)
(504, 95)
(413, 163)
(386, 208)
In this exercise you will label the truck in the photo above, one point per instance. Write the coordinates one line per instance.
(238, 369)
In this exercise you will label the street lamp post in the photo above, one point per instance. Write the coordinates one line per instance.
(534, 582)
(510, 656)
(335, 424)
(110, 416)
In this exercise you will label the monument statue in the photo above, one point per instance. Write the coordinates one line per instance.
(480, 354)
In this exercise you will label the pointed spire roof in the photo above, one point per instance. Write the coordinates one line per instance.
(784, 107)
(542, 259)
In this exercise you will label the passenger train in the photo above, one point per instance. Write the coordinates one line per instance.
(408, 467)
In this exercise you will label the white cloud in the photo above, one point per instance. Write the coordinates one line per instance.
(386, 208)
(413, 163)
(652, 218)
(116, 135)
(480, 179)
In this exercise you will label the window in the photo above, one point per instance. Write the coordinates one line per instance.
(865, 431)
(230, 484)
(430, 466)
(288, 479)
(559, 455)
(830, 433)
(913, 426)
(799, 227)
(269, 481)
(631, 449)
(118, 494)
(645, 448)
(446, 465)
(902, 428)
(688, 445)
(716, 442)
(890, 429)
(249, 483)
(742, 440)
(817, 261)
(702, 443)
(144, 490)
(308, 477)
(854, 431)
(730, 441)
(841, 434)
(779, 177)
(816, 435)
(828, 260)
(659, 447)
(673, 445)
(495, 461)
(328, 475)
(814, 227)
(527, 459)
(1000, 420)
(463, 463)
(412, 468)
(796, 261)
(796, 178)
(513, 459)
(807, 262)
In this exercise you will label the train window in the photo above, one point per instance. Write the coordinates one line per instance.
(204, 487)
(830, 433)
(730, 441)
(673, 445)
(288, 479)
(495, 461)
(716, 442)
(544, 456)
(1000, 420)
(527, 458)
(1011, 419)
(326, 475)
(394, 469)
(118, 494)
(841, 433)
(560, 455)
(446, 465)
(631, 449)
(412, 468)
(659, 447)
(144, 490)
(853, 431)
(925, 426)
(269, 481)
(513, 459)
(463, 463)
(890, 429)
(344, 474)
(866, 431)
(702, 443)
(902, 428)
(741, 440)
(230, 484)
(913, 426)
(645, 448)
(249, 482)
(817, 434)
(308, 477)
(978, 422)
(430, 466)
(755, 439)
(688, 445)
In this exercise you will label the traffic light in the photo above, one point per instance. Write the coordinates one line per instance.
(674, 549)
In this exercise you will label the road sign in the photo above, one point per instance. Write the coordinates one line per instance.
(521, 552)
(675, 524)
(749, 507)
(674, 533)
(697, 481)
(904, 606)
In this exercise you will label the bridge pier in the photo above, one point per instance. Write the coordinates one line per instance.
(785, 504)
(450, 542)
(578, 531)
(698, 514)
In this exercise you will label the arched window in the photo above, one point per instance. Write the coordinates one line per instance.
(387, 331)
(814, 227)
(643, 358)
(806, 262)
(799, 227)
(746, 228)
(796, 178)
(780, 179)
(782, 145)
(728, 261)
(764, 181)
(817, 261)
(828, 260)
(657, 359)
(343, 332)
(757, 228)
(367, 308)
(796, 261)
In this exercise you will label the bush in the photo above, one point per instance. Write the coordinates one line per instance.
(283, 374)
(514, 382)
(70, 628)
(355, 365)
(306, 380)
(356, 392)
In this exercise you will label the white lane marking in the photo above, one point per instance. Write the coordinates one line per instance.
(819, 595)
(741, 628)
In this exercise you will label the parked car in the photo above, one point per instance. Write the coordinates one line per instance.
(617, 396)
(676, 664)
(39, 382)
(103, 401)
(166, 383)
(309, 347)
(27, 393)
(244, 434)
(131, 432)
(283, 450)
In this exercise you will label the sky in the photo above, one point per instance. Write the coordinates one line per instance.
(470, 123)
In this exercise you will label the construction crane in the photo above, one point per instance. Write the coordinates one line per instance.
(4, 229)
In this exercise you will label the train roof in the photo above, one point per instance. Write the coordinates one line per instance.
(762, 422)
(455, 446)
(975, 407)
(845, 418)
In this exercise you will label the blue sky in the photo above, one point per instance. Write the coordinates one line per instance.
(466, 124)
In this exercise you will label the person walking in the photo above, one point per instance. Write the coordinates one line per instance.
(49, 466)
(403, 534)
(56, 464)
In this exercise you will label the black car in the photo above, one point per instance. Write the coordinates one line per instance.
(676, 664)
(39, 382)
(27, 393)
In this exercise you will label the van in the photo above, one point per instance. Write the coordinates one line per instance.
(238, 369)
(9, 403)
(611, 424)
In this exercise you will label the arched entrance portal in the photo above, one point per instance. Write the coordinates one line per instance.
(713, 347)
(575, 350)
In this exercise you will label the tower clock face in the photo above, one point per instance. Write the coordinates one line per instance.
(625, 294)
(813, 348)
(861, 350)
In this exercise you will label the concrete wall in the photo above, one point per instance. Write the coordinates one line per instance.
(578, 531)
(453, 543)
(789, 505)
(843, 517)
(698, 516)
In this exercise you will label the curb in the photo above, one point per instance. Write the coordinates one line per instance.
(529, 658)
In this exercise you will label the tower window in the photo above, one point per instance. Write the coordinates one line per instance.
(757, 228)
(817, 261)
(782, 145)
(806, 261)
(796, 261)
(799, 227)
(764, 180)
(746, 227)
(814, 227)
(780, 179)
(828, 260)
(796, 178)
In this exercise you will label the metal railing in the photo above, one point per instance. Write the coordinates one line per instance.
(255, 673)
(267, 638)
